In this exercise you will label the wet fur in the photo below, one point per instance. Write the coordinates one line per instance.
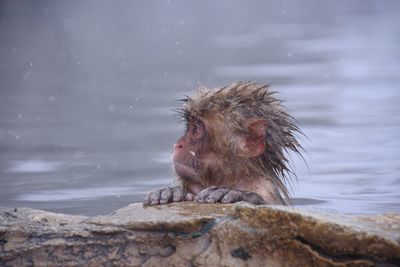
(226, 112)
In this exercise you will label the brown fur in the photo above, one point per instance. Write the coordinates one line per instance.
(226, 112)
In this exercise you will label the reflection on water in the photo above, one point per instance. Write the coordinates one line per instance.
(88, 88)
(32, 166)
(70, 194)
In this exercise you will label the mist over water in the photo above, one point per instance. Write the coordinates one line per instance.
(88, 89)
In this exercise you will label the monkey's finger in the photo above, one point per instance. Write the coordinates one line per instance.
(232, 197)
(146, 200)
(217, 195)
(177, 194)
(154, 197)
(201, 197)
(253, 198)
(166, 195)
(189, 197)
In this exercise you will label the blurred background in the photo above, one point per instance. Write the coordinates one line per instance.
(87, 90)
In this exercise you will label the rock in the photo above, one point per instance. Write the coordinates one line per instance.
(190, 234)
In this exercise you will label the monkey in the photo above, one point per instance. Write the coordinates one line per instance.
(234, 147)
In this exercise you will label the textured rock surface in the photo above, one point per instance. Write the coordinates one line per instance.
(188, 234)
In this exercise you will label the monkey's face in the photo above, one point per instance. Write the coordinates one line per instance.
(190, 149)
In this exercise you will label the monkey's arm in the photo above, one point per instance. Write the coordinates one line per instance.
(214, 194)
(167, 195)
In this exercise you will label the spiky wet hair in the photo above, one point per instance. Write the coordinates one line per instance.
(226, 112)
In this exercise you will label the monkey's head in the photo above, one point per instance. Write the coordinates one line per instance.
(234, 134)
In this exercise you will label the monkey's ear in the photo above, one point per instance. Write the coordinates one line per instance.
(255, 143)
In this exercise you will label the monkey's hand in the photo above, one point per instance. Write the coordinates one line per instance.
(214, 194)
(167, 195)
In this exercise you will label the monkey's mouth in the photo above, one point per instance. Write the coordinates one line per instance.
(183, 170)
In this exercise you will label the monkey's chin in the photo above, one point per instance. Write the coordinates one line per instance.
(184, 171)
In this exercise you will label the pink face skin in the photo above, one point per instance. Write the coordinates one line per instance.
(188, 152)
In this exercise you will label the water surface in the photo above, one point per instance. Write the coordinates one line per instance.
(87, 90)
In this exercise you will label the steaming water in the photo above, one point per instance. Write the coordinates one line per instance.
(87, 89)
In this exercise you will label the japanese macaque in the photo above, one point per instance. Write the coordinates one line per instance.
(234, 148)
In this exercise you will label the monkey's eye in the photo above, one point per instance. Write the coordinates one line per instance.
(193, 128)
(196, 128)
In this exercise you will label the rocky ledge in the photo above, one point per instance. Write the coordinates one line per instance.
(189, 234)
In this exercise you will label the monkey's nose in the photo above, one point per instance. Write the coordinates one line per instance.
(177, 146)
